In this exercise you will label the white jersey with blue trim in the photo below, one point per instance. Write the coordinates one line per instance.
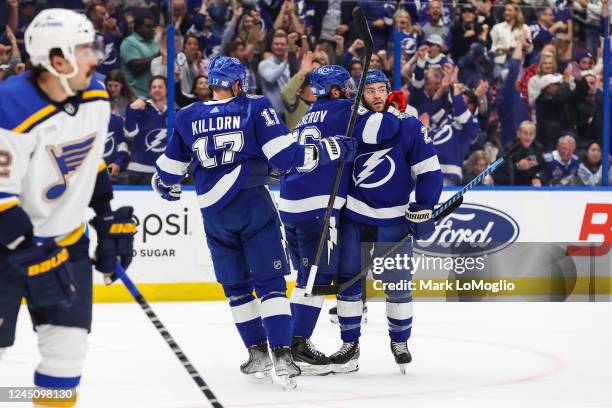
(50, 153)
(305, 191)
(232, 144)
(384, 175)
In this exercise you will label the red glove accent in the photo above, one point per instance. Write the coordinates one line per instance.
(398, 100)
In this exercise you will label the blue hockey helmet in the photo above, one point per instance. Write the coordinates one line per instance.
(224, 71)
(375, 76)
(324, 78)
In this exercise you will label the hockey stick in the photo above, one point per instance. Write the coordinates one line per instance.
(361, 23)
(442, 211)
(120, 272)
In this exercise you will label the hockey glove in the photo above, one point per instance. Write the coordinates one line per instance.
(170, 193)
(336, 148)
(397, 100)
(48, 274)
(420, 220)
(115, 241)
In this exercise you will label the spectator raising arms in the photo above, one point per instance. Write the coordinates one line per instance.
(145, 123)
(137, 52)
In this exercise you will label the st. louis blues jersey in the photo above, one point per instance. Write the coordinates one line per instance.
(384, 175)
(232, 142)
(148, 127)
(453, 139)
(50, 154)
(116, 148)
(305, 191)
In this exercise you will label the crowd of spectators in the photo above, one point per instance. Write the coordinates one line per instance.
(522, 78)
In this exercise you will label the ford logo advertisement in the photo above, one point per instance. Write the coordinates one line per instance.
(470, 230)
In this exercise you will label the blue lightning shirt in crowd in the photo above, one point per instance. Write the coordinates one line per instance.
(116, 148)
(231, 141)
(558, 172)
(148, 128)
(305, 190)
(384, 175)
(453, 139)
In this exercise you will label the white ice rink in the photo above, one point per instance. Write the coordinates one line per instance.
(465, 355)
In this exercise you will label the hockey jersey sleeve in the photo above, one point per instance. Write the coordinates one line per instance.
(132, 118)
(464, 120)
(278, 143)
(375, 127)
(15, 155)
(423, 161)
(173, 164)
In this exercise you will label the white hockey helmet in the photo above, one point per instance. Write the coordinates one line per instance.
(58, 28)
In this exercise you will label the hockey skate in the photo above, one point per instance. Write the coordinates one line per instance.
(284, 367)
(310, 360)
(401, 354)
(333, 315)
(346, 360)
(259, 364)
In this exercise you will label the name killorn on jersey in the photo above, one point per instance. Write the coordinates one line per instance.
(218, 123)
(311, 117)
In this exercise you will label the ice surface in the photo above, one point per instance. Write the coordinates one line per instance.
(465, 355)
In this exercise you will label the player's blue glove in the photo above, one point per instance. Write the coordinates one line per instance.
(420, 220)
(337, 148)
(47, 273)
(115, 241)
(170, 193)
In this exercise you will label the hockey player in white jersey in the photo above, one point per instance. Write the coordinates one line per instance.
(378, 209)
(53, 125)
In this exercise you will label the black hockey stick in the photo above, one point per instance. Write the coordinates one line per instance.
(361, 23)
(439, 213)
(120, 272)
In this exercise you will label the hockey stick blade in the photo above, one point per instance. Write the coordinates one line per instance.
(324, 290)
(139, 298)
(364, 31)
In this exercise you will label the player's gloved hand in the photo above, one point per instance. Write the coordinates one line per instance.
(115, 241)
(397, 100)
(48, 275)
(337, 148)
(170, 193)
(420, 220)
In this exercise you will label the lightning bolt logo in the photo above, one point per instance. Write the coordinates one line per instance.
(333, 238)
(158, 138)
(370, 165)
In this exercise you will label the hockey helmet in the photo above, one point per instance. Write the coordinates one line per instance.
(324, 78)
(224, 71)
(375, 76)
(58, 29)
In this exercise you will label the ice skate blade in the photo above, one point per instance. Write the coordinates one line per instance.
(262, 376)
(314, 370)
(402, 368)
(347, 368)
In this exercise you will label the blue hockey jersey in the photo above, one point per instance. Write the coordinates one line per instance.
(231, 143)
(384, 175)
(116, 148)
(453, 139)
(305, 191)
(148, 128)
(557, 172)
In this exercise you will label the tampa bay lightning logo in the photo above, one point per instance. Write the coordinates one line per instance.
(67, 159)
(443, 135)
(373, 169)
(109, 145)
(409, 45)
(155, 140)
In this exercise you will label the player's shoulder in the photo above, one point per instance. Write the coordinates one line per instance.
(95, 91)
(413, 127)
(22, 106)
